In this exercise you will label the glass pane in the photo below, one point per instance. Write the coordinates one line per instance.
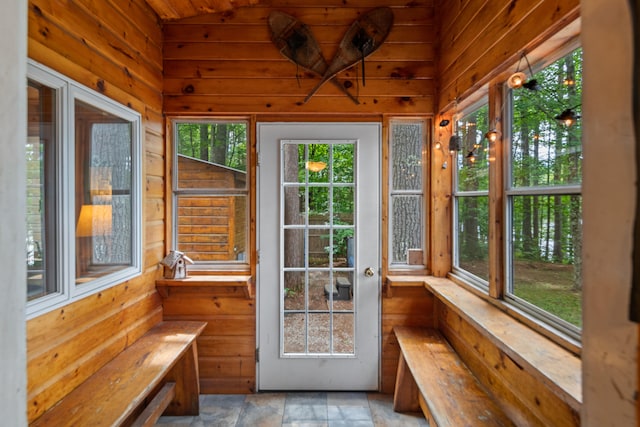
(473, 235)
(317, 162)
(343, 247)
(547, 248)
(343, 333)
(293, 163)
(294, 244)
(294, 290)
(40, 149)
(473, 157)
(294, 205)
(319, 333)
(212, 155)
(342, 163)
(212, 228)
(319, 290)
(343, 200)
(407, 225)
(319, 247)
(342, 298)
(295, 332)
(319, 204)
(104, 175)
(546, 151)
(407, 141)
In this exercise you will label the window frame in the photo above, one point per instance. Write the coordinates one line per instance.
(241, 265)
(456, 194)
(67, 92)
(510, 191)
(500, 194)
(422, 193)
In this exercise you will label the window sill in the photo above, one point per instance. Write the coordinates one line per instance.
(551, 364)
(215, 285)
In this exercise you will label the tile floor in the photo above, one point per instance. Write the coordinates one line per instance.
(300, 409)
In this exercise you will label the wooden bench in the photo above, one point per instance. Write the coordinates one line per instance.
(159, 371)
(432, 378)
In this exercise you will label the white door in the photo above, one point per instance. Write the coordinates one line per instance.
(318, 269)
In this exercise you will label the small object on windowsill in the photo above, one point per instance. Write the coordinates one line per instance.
(175, 265)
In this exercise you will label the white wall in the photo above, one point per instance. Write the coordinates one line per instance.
(13, 54)
(609, 339)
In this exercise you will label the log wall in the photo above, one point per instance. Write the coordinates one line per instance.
(115, 48)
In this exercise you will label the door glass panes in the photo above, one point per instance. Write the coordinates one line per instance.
(407, 141)
(318, 196)
(104, 198)
(40, 152)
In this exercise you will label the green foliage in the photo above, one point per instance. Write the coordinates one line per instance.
(223, 143)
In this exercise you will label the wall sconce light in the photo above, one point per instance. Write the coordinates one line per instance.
(444, 122)
(315, 166)
(492, 135)
(518, 79)
(568, 117)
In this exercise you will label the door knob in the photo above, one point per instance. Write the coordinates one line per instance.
(368, 272)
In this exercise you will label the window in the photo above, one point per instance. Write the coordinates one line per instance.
(83, 191)
(544, 202)
(407, 142)
(210, 192)
(471, 196)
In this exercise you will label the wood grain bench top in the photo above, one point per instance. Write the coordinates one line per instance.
(448, 389)
(113, 393)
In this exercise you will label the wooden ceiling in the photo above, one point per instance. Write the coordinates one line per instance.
(169, 10)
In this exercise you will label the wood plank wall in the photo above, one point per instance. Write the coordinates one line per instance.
(226, 63)
(479, 38)
(115, 48)
(409, 306)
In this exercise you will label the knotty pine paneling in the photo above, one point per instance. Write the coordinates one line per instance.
(115, 48)
(526, 399)
(479, 38)
(408, 307)
(226, 63)
(226, 348)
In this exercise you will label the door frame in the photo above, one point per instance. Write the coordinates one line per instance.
(260, 223)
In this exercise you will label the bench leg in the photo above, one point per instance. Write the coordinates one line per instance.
(406, 393)
(187, 378)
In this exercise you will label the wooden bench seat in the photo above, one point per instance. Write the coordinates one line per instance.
(432, 378)
(159, 371)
